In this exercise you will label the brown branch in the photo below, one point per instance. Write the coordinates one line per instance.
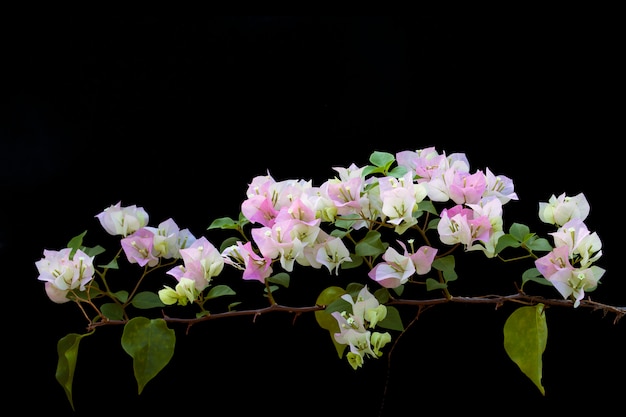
(498, 300)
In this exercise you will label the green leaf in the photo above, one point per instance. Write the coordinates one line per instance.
(121, 295)
(507, 241)
(67, 350)
(282, 278)
(519, 231)
(325, 319)
(75, 243)
(219, 291)
(231, 241)
(433, 284)
(96, 250)
(382, 159)
(398, 172)
(151, 345)
(370, 245)
(539, 245)
(354, 263)
(346, 221)
(147, 299)
(223, 223)
(110, 265)
(525, 339)
(428, 206)
(446, 265)
(392, 321)
(112, 311)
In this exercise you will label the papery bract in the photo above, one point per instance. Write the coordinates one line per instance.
(499, 186)
(202, 261)
(63, 273)
(574, 282)
(575, 235)
(554, 261)
(242, 256)
(458, 225)
(168, 239)
(559, 210)
(138, 248)
(332, 253)
(467, 188)
(118, 220)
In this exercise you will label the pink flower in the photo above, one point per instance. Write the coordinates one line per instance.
(243, 257)
(554, 261)
(202, 261)
(138, 248)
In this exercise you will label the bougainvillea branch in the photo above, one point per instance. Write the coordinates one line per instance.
(399, 223)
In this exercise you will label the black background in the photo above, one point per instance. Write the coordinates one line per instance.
(177, 115)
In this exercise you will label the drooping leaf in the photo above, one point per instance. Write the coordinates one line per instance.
(151, 345)
(525, 339)
(67, 350)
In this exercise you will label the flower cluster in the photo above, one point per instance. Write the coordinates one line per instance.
(344, 223)
(569, 266)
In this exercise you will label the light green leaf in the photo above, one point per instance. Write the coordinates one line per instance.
(382, 159)
(151, 345)
(525, 339)
(67, 350)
